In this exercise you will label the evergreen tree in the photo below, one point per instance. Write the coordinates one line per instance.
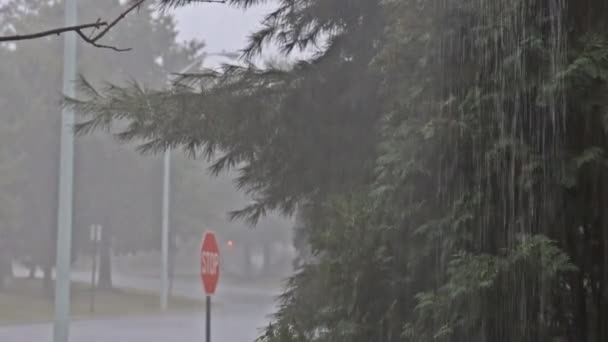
(447, 159)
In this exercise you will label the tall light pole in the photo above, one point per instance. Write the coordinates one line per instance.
(66, 182)
(164, 282)
(164, 277)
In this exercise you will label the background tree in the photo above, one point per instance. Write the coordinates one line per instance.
(11, 207)
(34, 66)
(202, 202)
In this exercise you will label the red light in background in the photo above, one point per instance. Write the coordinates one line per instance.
(229, 243)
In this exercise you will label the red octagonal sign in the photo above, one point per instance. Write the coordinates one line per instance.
(210, 263)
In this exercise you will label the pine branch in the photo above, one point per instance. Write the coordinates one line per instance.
(238, 3)
(93, 41)
(179, 3)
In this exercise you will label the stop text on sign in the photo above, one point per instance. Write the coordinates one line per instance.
(210, 263)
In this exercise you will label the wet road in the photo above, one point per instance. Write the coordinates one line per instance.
(238, 314)
(233, 327)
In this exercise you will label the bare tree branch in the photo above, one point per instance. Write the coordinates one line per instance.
(78, 29)
(92, 38)
(135, 5)
(95, 44)
(56, 31)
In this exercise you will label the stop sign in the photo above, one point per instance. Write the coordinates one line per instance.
(210, 263)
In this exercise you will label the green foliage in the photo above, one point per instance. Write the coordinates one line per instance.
(447, 159)
(269, 124)
(454, 307)
(350, 272)
(201, 201)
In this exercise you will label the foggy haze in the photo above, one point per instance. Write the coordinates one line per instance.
(303, 171)
(120, 190)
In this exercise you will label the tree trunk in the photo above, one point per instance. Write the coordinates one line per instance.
(247, 260)
(6, 267)
(266, 261)
(4, 272)
(47, 279)
(105, 261)
(11, 270)
(32, 270)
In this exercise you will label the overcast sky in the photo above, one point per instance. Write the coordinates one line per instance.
(221, 27)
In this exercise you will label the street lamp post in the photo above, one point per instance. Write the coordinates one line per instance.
(164, 283)
(164, 293)
(66, 182)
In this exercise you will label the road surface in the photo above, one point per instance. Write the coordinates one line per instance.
(238, 314)
(227, 327)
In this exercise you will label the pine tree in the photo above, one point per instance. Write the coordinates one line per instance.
(448, 158)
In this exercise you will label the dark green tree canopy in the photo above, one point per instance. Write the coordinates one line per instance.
(447, 160)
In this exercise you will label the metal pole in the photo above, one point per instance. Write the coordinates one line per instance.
(208, 319)
(95, 232)
(66, 173)
(164, 249)
(165, 232)
(94, 276)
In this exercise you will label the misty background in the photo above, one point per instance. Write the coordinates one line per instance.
(442, 164)
(114, 185)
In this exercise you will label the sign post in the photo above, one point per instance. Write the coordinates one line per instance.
(95, 240)
(210, 273)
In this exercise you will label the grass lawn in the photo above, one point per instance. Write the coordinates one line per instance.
(24, 301)
(271, 281)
